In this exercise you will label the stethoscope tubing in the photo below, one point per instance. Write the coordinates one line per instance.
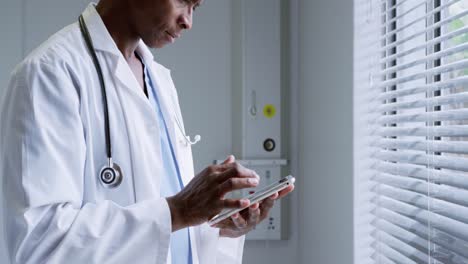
(89, 44)
(111, 174)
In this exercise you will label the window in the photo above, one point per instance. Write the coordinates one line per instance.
(411, 131)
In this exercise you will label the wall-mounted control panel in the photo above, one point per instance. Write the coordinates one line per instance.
(256, 99)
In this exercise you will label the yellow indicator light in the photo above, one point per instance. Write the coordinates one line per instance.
(269, 111)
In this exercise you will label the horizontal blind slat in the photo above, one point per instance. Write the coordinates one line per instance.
(461, 64)
(419, 158)
(426, 59)
(428, 44)
(438, 252)
(418, 5)
(409, 251)
(394, 6)
(446, 84)
(437, 131)
(446, 196)
(428, 102)
(421, 144)
(400, 15)
(423, 18)
(382, 259)
(428, 29)
(392, 254)
(423, 230)
(448, 225)
(447, 115)
(455, 212)
(401, 234)
(413, 245)
(450, 178)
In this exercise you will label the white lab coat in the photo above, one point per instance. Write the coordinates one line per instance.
(52, 147)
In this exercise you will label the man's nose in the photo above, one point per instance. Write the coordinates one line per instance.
(186, 21)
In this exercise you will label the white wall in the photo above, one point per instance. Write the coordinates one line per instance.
(10, 28)
(10, 54)
(325, 131)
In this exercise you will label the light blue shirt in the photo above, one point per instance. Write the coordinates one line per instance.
(171, 182)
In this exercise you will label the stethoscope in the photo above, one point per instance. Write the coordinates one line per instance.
(111, 175)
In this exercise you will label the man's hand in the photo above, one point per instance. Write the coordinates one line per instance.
(203, 197)
(243, 222)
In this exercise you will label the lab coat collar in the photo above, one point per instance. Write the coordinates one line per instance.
(102, 40)
(101, 37)
(145, 52)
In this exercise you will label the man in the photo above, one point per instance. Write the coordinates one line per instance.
(54, 140)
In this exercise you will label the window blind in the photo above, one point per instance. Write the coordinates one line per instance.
(411, 131)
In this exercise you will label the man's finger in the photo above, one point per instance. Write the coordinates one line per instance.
(254, 206)
(265, 207)
(232, 203)
(229, 159)
(254, 215)
(274, 196)
(239, 221)
(232, 184)
(226, 223)
(285, 192)
(227, 164)
(235, 170)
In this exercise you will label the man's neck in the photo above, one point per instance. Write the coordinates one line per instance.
(120, 29)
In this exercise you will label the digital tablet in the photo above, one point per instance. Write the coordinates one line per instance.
(255, 198)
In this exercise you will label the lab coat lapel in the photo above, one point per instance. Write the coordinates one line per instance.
(170, 109)
(147, 162)
(140, 117)
(125, 76)
(104, 43)
(164, 88)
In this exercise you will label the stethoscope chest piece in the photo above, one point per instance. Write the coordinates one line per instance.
(111, 176)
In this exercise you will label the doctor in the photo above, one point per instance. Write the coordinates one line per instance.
(100, 171)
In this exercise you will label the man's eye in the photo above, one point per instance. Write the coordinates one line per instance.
(191, 2)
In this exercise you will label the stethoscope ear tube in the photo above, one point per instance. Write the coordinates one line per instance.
(188, 142)
(111, 174)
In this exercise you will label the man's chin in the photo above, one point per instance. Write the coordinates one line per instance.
(159, 45)
(154, 44)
